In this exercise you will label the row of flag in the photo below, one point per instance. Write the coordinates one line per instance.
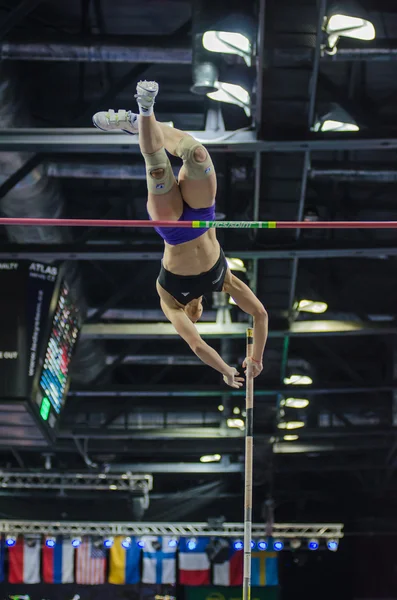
(31, 561)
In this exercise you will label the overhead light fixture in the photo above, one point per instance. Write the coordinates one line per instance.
(253, 544)
(238, 545)
(295, 544)
(236, 264)
(140, 543)
(291, 438)
(50, 542)
(232, 93)
(108, 542)
(237, 423)
(337, 119)
(290, 424)
(191, 543)
(312, 306)
(205, 78)
(313, 544)
(221, 408)
(228, 42)
(76, 542)
(126, 543)
(295, 402)
(341, 25)
(173, 542)
(278, 545)
(298, 379)
(262, 545)
(210, 458)
(113, 487)
(11, 540)
(236, 410)
(333, 545)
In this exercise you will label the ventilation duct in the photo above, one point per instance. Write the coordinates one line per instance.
(38, 196)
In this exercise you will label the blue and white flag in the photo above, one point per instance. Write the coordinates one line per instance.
(159, 560)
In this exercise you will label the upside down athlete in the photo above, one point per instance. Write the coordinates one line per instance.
(193, 262)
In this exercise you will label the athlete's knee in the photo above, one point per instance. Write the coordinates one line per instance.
(196, 160)
(160, 177)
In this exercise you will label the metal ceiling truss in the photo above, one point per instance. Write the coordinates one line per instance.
(125, 482)
(79, 528)
(93, 141)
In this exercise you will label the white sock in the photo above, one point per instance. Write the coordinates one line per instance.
(145, 112)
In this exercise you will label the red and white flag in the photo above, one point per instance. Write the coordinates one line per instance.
(230, 572)
(24, 561)
(90, 563)
(194, 564)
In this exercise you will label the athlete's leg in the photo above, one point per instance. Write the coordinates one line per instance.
(164, 196)
(197, 177)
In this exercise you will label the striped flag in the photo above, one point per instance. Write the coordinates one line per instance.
(24, 561)
(159, 560)
(264, 568)
(194, 564)
(90, 563)
(229, 572)
(124, 563)
(58, 562)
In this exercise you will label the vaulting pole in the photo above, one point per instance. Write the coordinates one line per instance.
(249, 443)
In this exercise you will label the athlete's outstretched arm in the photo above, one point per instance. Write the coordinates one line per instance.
(249, 303)
(208, 355)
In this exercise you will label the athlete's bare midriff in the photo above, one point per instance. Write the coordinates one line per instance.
(194, 257)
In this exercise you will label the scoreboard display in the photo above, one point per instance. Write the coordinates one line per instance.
(39, 327)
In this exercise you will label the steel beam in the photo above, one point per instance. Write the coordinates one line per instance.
(16, 15)
(120, 252)
(234, 330)
(360, 175)
(94, 141)
(186, 391)
(156, 434)
(180, 468)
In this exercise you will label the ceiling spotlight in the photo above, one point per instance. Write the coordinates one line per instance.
(11, 540)
(295, 402)
(290, 424)
(50, 542)
(221, 408)
(291, 438)
(238, 545)
(232, 93)
(339, 25)
(312, 306)
(313, 544)
(173, 542)
(205, 78)
(295, 544)
(108, 542)
(262, 545)
(209, 458)
(235, 423)
(337, 119)
(298, 379)
(140, 543)
(228, 42)
(278, 545)
(236, 264)
(76, 542)
(126, 543)
(253, 544)
(191, 543)
(333, 545)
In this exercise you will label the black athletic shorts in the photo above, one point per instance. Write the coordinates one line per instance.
(187, 287)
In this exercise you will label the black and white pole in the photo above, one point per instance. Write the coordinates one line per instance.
(249, 443)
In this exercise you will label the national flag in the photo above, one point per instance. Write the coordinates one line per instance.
(90, 563)
(1, 559)
(229, 572)
(24, 561)
(159, 560)
(124, 562)
(194, 565)
(264, 568)
(58, 562)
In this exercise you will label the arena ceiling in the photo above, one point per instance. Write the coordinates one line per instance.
(143, 403)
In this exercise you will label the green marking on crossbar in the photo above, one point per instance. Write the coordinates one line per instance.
(235, 224)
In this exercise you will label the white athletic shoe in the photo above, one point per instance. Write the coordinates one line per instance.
(146, 92)
(123, 120)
